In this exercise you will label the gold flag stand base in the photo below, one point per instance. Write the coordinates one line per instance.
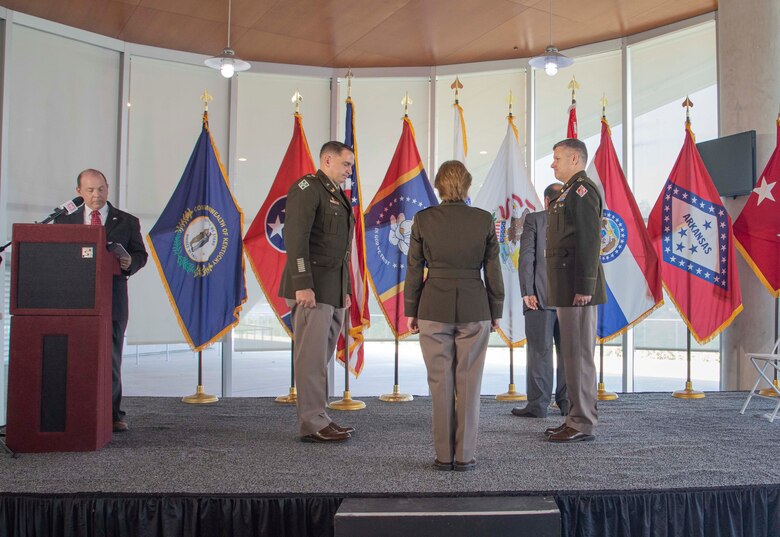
(511, 395)
(199, 397)
(688, 392)
(347, 403)
(396, 396)
(604, 395)
(289, 399)
(770, 392)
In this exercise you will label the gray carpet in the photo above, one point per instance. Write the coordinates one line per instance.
(250, 446)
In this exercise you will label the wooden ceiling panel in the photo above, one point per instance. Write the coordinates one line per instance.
(365, 33)
(170, 30)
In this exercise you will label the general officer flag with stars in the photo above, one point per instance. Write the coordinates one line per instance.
(197, 247)
(691, 232)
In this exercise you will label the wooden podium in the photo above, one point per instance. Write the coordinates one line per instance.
(59, 371)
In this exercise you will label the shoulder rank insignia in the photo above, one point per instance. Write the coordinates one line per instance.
(582, 191)
(303, 184)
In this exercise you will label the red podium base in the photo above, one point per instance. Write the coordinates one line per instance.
(59, 393)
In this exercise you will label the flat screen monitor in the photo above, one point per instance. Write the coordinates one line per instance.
(731, 162)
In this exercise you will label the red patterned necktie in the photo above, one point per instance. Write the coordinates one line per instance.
(95, 219)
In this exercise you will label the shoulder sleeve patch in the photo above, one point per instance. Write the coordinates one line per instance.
(582, 191)
(303, 184)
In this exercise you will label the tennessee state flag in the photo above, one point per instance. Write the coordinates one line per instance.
(691, 232)
(571, 127)
(630, 263)
(359, 317)
(264, 242)
(404, 191)
(757, 228)
(197, 247)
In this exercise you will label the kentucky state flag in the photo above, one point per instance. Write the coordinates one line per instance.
(264, 241)
(359, 316)
(757, 228)
(691, 232)
(630, 263)
(509, 196)
(197, 247)
(388, 219)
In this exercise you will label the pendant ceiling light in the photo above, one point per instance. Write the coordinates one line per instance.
(227, 63)
(550, 60)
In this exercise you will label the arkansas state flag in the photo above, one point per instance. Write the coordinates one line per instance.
(196, 245)
(757, 228)
(509, 196)
(630, 263)
(359, 317)
(691, 232)
(264, 242)
(571, 128)
(388, 219)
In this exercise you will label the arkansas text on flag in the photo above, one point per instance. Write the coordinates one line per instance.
(264, 241)
(388, 219)
(757, 228)
(196, 245)
(630, 263)
(509, 197)
(691, 232)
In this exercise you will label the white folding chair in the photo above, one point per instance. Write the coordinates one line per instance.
(762, 363)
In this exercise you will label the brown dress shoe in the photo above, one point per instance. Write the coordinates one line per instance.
(568, 435)
(336, 427)
(326, 434)
(120, 426)
(552, 430)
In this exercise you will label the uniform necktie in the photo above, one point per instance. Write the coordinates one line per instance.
(95, 219)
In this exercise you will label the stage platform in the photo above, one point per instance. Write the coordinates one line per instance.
(659, 467)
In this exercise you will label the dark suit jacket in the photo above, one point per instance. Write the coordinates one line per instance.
(125, 229)
(532, 266)
(318, 224)
(454, 241)
(574, 244)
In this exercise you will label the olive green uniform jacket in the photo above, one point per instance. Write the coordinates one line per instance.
(318, 225)
(574, 244)
(454, 241)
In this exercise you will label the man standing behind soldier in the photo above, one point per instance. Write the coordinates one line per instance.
(541, 320)
(316, 283)
(577, 286)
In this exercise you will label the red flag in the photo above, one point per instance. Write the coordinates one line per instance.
(359, 317)
(571, 128)
(263, 242)
(691, 232)
(757, 229)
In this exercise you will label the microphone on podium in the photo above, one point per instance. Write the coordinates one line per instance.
(69, 207)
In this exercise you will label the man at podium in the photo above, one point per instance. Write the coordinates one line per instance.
(122, 229)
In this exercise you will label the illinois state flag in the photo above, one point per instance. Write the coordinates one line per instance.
(691, 232)
(509, 196)
(404, 191)
(264, 242)
(359, 317)
(630, 263)
(757, 228)
(196, 245)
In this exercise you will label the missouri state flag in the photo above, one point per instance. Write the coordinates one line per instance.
(691, 232)
(631, 268)
(197, 247)
(757, 228)
(404, 191)
(359, 316)
(264, 242)
(509, 196)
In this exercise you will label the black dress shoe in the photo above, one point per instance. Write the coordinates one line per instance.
(523, 413)
(552, 430)
(445, 466)
(336, 427)
(465, 466)
(568, 435)
(325, 435)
